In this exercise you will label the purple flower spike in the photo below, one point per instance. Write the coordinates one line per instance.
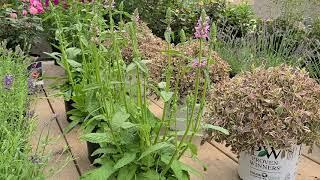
(55, 2)
(8, 81)
(202, 28)
(31, 86)
(199, 64)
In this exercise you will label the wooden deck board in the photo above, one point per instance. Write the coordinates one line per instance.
(78, 147)
(60, 165)
(219, 165)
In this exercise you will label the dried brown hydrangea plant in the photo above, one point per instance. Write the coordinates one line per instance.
(277, 107)
(218, 68)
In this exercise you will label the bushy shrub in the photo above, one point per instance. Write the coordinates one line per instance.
(277, 107)
(238, 20)
(150, 46)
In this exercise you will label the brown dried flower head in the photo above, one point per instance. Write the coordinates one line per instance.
(277, 107)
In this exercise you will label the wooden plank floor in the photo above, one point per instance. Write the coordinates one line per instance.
(222, 164)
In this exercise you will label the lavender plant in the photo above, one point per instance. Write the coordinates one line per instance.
(16, 126)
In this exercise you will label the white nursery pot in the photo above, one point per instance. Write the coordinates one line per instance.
(266, 163)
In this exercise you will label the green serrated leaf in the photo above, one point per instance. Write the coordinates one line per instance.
(73, 52)
(118, 119)
(97, 137)
(102, 173)
(127, 172)
(104, 151)
(54, 55)
(167, 36)
(166, 96)
(217, 128)
(141, 65)
(190, 169)
(84, 41)
(151, 174)
(131, 67)
(127, 125)
(126, 159)
(175, 166)
(155, 148)
(74, 63)
(177, 170)
(71, 125)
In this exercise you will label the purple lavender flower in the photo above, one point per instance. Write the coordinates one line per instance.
(199, 64)
(202, 28)
(31, 86)
(8, 81)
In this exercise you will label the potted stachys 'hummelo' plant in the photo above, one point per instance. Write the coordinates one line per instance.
(269, 114)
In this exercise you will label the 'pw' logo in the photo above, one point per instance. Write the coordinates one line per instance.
(263, 151)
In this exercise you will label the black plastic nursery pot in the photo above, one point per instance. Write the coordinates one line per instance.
(56, 63)
(91, 148)
(68, 107)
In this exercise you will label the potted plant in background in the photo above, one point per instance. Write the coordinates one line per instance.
(269, 113)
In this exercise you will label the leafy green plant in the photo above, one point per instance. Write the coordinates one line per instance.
(240, 18)
(16, 123)
(275, 107)
(112, 102)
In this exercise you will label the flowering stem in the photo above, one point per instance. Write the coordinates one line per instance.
(63, 52)
(202, 104)
(166, 104)
(191, 117)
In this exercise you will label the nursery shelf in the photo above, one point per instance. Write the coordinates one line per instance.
(70, 153)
